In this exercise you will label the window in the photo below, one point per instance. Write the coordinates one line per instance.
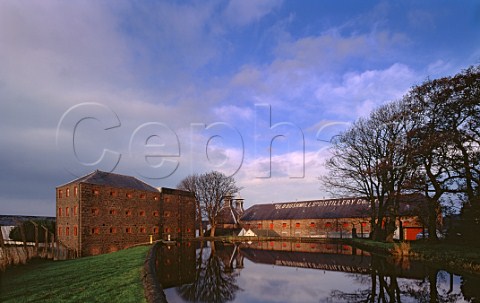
(155, 198)
(59, 232)
(75, 191)
(364, 224)
(166, 214)
(75, 210)
(59, 211)
(143, 230)
(179, 229)
(284, 244)
(113, 211)
(259, 225)
(312, 224)
(155, 214)
(143, 196)
(128, 213)
(297, 225)
(67, 231)
(284, 225)
(95, 231)
(271, 225)
(75, 231)
(155, 230)
(113, 193)
(60, 193)
(95, 211)
(96, 192)
(345, 224)
(67, 211)
(167, 229)
(189, 230)
(141, 213)
(67, 193)
(113, 230)
(129, 195)
(128, 230)
(328, 224)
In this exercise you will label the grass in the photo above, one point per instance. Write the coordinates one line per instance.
(453, 256)
(114, 277)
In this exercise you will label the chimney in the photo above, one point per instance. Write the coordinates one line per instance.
(229, 200)
(239, 205)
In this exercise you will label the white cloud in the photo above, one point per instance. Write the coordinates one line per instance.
(244, 12)
(360, 92)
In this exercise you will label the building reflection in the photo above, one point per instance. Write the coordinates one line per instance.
(204, 272)
(176, 264)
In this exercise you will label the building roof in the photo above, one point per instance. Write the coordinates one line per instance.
(325, 209)
(316, 209)
(228, 215)
(115, 180)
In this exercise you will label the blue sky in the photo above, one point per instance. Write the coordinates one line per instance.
(210, 83)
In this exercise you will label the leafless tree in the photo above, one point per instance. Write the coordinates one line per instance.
(210, 190)
(372, 160)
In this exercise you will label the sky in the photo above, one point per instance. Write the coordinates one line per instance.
(160, 90)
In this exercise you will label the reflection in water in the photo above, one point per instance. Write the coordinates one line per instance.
(306, 272)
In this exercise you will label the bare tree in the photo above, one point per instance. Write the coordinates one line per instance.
(372, 160)
(447, 111)
(210, 191)
(190, 184)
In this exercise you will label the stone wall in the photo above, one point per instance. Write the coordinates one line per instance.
(68, 215)
(116, 218)
(178, 214)
(96, 219)
(321, 228)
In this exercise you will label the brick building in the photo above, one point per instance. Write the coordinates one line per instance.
(333, 218)
(104, 212)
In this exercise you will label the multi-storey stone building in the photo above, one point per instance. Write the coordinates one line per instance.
(104, 212)
(334, 218)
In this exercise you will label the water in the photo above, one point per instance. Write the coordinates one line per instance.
(302, 272)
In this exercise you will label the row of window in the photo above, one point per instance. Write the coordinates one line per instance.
(312, 225)
(128, 212)
(67, 211)
(97, 192)
(112, 211)
(129, 230)
(67, 192)
(67, 231)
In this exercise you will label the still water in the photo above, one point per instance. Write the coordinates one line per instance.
(302, 272)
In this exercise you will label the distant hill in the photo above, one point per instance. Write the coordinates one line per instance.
(11, 220)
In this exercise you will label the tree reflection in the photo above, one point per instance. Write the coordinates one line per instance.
(383, 286)
(214, 281)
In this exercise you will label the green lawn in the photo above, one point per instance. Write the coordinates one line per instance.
(114, 277)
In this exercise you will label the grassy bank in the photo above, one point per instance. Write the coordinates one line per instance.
(114, 277)
(456, 257)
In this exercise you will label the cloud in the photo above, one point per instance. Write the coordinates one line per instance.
(245, 12)
(359, 93)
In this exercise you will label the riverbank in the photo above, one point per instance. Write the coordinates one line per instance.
(113, 277)
(453, 257)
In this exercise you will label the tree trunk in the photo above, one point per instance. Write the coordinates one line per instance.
(432, 220)
(389, 229)
(212, 230)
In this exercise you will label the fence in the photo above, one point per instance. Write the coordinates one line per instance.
(19, 252)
